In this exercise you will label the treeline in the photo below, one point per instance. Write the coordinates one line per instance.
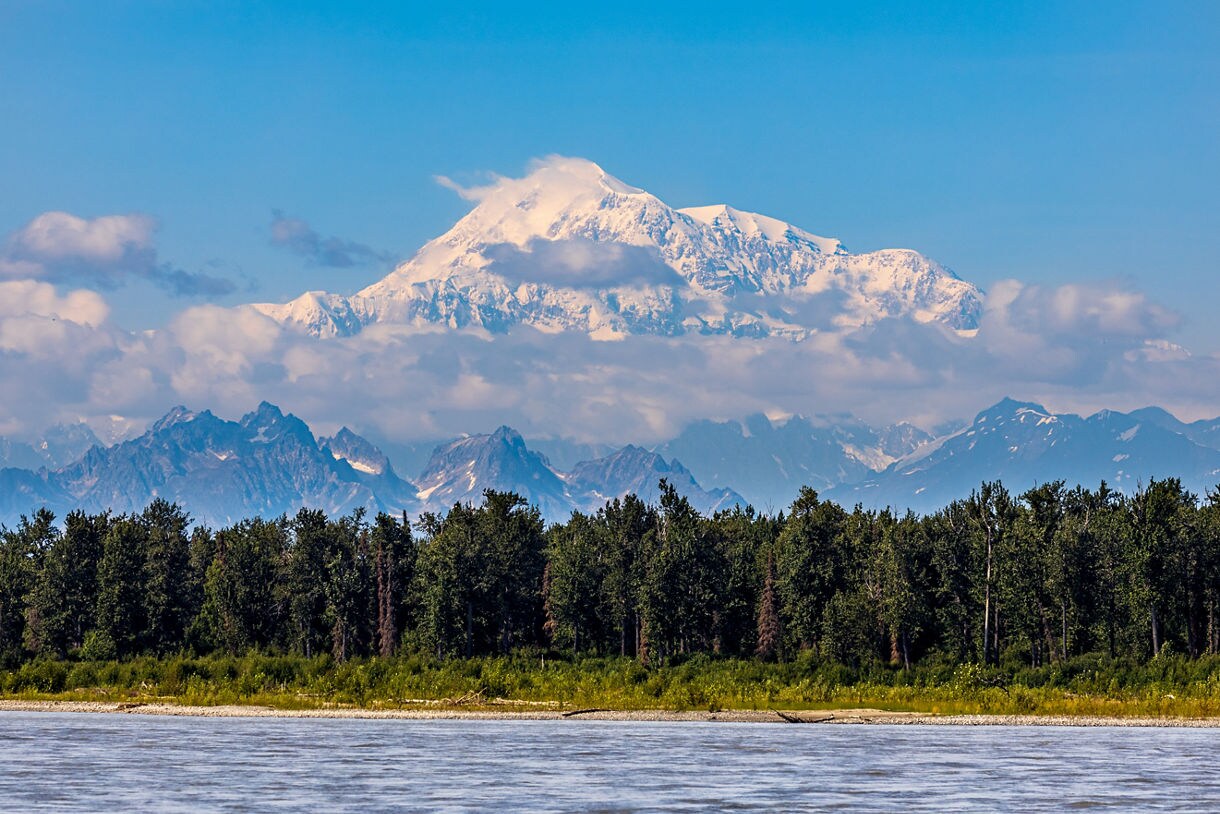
(993, 579)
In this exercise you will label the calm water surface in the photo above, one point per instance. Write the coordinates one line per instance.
(81, 762)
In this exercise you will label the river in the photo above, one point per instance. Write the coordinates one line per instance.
(91, 762)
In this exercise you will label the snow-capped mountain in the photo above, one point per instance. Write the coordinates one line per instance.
(1023, 444)
(461, 470)
(571, 248)
(372, 468)
(769, 461)
(268, 463)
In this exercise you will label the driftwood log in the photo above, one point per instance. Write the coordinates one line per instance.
(573, 712)
(794, 719)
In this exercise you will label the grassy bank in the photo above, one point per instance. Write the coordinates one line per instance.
(1086, 686)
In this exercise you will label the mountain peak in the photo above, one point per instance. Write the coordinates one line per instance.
(1009, 407)
(176, 415)
(268, 423)
(360, 453)
(569, 247)
(505, 433)
(570, 172)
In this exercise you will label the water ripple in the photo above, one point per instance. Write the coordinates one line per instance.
(67, 762)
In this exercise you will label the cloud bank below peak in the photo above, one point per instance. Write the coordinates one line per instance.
(431, 383)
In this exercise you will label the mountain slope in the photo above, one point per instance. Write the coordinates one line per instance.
(634, 470)
(571, 248)
(461, 470)
(1023, 444)
(58, 446)
(768, 462)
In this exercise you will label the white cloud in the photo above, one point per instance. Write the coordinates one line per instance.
(1073, 309)
(60, 237)
(1078, 347)
(103, 252)
(22, 298)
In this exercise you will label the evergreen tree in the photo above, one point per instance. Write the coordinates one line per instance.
(62, 605)
(746, 541)
(627, 528)
(121, 590)
(1160, 526)
(167, 576)
(510, 534)
(575, 571)
(393, 564)
(240, 609)
(21, 555)
(311, 546)
(807, 567)
(348, 588)
(681, 589)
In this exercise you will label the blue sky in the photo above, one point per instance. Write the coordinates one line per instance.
(1070, 147)
(1044, 141)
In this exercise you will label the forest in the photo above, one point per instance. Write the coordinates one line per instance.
(993, 579)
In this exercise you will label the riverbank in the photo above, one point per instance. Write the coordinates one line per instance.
(813, 716)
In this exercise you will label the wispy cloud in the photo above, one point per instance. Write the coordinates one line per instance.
(298, 237)
(583, 264)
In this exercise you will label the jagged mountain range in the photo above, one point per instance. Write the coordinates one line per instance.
(571, 248)
(269, 463)
(460, 470)
(222, 471)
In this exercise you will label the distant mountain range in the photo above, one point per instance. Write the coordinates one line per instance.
(1024, 444)
(58, 446)
(269, 463)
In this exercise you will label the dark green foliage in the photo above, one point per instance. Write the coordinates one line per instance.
(62, 606)
(21, 555)
(809, 564)
(121, 590)
(576, 569)
(1012, 586)
(680, 597)
(168, 603)
(393, 552)
(478, 579)
(240, 610)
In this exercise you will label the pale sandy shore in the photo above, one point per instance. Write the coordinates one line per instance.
(831, 717)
